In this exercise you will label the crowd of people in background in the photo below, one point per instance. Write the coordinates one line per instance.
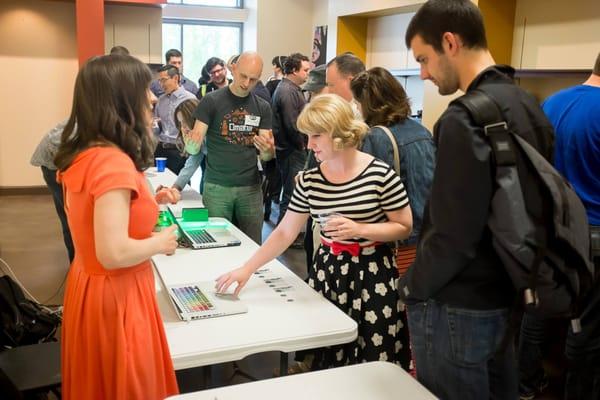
(337, 148)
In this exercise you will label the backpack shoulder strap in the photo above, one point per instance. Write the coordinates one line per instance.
(486, 113)
(394, 147)
(482, 108)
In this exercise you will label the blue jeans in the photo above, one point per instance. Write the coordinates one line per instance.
(57, 196)
(241, 205)
(457, 352)
(289, 165)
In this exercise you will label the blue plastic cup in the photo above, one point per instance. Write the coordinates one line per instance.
(161, 163)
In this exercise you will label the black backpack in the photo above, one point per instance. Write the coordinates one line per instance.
(23, 321)
(549, 263)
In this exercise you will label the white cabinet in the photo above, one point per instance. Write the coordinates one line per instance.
(385, 42)
(139, 28)
(386, 48)
(556, 34)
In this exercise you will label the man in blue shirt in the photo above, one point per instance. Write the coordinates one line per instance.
(575, 115)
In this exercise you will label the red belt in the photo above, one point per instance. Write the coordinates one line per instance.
(351, 248)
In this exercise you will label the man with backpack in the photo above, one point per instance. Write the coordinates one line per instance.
(575, 114)
(458, 292)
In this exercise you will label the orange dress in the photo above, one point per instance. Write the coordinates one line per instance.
(113, 340)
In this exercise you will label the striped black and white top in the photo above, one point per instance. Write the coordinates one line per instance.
(364, 199)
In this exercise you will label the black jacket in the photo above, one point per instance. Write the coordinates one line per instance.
(288, 101)
(456, 263)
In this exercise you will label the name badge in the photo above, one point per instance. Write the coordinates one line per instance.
(252, 120)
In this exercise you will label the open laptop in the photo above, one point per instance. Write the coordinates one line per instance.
(205, 235)
(199, 300)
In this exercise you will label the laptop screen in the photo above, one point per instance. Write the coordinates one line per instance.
(187, 225)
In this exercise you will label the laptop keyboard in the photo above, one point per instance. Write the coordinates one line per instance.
(192, 299)
(201, 236)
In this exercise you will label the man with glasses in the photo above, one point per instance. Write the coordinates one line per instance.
(218, 76)
(175, 58)
(164, 116)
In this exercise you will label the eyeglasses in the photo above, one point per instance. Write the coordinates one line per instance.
(163, 80)
(216, 71)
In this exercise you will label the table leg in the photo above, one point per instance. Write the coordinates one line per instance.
(207, 369)
(283, 363)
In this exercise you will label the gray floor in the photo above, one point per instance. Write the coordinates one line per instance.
(31, 244)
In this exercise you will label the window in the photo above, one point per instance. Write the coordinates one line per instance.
(200, 40)
(210, 3)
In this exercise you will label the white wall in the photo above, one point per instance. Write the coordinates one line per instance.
(320, 12)
(38, 57)
(386, 48)
(283, 27)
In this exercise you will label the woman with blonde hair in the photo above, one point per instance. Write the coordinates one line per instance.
(362, 205)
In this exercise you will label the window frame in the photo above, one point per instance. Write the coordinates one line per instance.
(240, 4)
(182, 22)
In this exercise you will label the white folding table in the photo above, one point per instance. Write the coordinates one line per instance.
(375, 380)
(295, 318)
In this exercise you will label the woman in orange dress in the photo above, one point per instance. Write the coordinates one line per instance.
(113, 340)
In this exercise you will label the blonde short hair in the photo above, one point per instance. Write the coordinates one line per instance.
(329, 113)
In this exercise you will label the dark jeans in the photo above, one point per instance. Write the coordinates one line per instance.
(457, 352)
(583, 349)
(203, 168)
(59, 204)
(308, 244)
(530, 353)
(289, 164)
(271, 184)
(175, 161)
(583, 378)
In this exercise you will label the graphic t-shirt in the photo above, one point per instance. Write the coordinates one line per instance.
(232, 124)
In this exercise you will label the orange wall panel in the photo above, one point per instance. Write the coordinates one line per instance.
(90, 28)
(352, 36)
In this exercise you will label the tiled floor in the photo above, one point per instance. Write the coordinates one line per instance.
(31, 244)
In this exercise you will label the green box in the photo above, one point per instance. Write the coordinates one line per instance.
(194, 214)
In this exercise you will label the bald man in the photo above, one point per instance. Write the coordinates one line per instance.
(237, 125)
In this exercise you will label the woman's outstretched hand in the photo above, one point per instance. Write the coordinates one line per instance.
(239, 275)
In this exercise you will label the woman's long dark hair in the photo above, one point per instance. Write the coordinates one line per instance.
(382, 99)
(186, 108)
(110, 107)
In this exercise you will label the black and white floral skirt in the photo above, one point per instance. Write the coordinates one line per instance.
(365, 288)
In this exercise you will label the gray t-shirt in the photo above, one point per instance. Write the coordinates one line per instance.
(44, 153)
(232, 124)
